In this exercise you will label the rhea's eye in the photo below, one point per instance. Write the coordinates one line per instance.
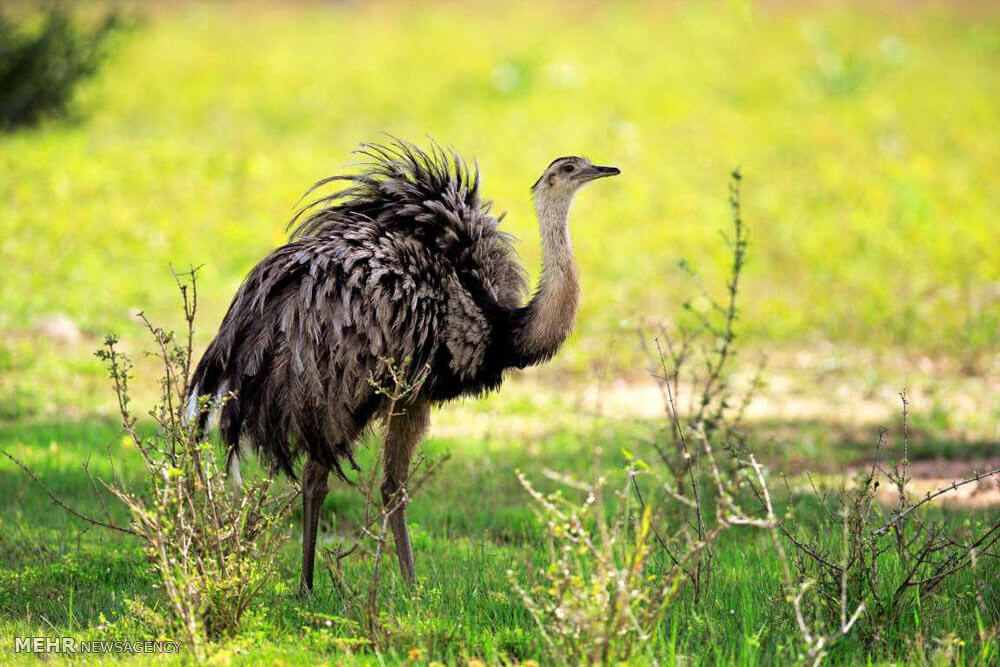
(568, 168)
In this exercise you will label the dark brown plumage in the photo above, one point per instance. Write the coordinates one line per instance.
(405, 263)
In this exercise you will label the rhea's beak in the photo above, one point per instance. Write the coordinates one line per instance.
(596, 171)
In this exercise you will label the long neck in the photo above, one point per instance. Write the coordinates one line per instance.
(547, 320)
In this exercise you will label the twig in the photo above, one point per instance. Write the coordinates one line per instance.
(54, 498)
(931, 496)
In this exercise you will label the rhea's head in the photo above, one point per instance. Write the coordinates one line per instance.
(565, 175)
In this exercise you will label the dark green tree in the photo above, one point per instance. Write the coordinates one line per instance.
(40, 66)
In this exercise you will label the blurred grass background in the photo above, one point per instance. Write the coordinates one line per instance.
(867, 134)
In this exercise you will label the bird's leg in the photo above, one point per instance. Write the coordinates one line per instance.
(314, 489)
(402, 436)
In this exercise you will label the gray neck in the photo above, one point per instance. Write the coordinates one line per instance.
(547, 320)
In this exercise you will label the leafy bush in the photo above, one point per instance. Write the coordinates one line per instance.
(213, 548)
(40, 68)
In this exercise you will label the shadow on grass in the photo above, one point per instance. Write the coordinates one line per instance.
(814, 445)
(475, 491)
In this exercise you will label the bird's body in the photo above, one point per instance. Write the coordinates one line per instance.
(404, 270)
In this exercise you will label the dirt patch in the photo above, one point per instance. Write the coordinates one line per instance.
(814, 399)
(951, 470)
(931, 476)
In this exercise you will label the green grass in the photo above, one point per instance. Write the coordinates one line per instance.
(868, 139)
(59, 578)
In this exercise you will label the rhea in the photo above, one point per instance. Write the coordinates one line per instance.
(405, 262)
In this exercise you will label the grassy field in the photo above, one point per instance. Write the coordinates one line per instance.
(868, 139)
(57, 578)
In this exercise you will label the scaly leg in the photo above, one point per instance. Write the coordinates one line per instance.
(314, 489)
(403, 434)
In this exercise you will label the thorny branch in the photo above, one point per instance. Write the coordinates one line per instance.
(838, 589)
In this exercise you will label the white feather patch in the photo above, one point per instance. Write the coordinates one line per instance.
(234, 471)
(192, 408)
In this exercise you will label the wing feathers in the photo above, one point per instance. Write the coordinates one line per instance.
(395, 264)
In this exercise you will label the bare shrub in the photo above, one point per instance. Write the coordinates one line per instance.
(692, 357)
(877, 567)
(855, 568)
(888, 561)
(603, 593)
(602, 598)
